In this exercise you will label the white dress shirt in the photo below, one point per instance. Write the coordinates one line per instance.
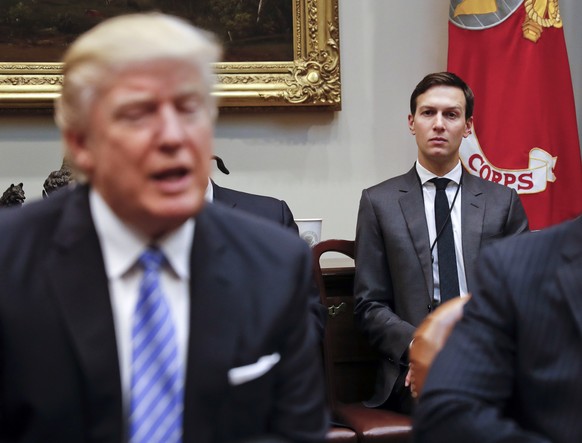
(429, 194)
(121, 246)
(209, 194)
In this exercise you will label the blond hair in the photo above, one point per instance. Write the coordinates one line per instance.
(123, 41)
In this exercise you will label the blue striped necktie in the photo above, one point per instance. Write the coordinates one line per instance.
(156, 377)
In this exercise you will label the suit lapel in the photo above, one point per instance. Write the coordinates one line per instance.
(472, 216)
(412, 206)
(214, 310)
(569, 274)
(79, 284)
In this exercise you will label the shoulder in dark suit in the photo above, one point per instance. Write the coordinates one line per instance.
(510, 371)
(260, 205)
(277, 211)
(58, 353)
(394, 277)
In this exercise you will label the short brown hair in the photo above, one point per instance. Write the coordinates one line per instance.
(443, 79)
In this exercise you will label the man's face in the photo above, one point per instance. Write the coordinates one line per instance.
(148, 145)
(439, 126)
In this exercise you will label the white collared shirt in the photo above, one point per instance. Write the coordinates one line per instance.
(209, 193)
(429, 194)
(121, 247)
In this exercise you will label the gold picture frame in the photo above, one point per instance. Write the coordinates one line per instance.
(310, 81)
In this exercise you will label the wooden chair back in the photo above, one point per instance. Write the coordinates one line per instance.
(350, 362)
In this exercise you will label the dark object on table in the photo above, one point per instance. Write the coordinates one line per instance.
(221, 165)
(57, 180)
(13, 196)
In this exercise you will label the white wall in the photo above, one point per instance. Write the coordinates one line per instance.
(318, 162)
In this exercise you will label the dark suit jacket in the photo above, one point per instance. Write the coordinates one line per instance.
(260, 205)
(277, 211)
(59, 371)
(510, 371)
(394, 282)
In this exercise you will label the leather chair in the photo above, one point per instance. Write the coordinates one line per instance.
(350, 363)
(430, 337)
(340, 434)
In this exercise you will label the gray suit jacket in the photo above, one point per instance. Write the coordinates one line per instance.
(59, 371)
(394, 281)
(510, 371)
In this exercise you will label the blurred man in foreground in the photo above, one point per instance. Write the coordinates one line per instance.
(510, 370)
(130, 310)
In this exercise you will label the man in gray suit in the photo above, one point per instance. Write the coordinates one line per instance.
(400, 273)
(510, 371)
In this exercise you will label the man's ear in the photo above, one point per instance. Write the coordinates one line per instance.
(79, 152)
(411, 124)
(468, 127)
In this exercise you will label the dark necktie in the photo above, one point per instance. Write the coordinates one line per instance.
(448, 276)
(156, 378)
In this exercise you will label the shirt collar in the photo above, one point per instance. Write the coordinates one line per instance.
(122, 245)
(425, 175)
(209, 194)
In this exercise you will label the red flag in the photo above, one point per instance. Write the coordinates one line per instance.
(512, 53)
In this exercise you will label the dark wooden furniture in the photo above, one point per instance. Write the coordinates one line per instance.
(350, 363)
(341, 434)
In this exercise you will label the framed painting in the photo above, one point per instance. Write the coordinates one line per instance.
(280, 54)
